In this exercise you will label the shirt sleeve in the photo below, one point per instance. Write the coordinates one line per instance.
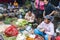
(26, 15)
(53, 8)
(33, 16)
(40, 26)
(51, 32)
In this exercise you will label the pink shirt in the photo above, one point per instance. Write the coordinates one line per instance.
(30, 18)
(41, 5)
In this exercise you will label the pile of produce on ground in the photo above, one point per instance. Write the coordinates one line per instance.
(8, 20)
(25, 32)
(22, 31)
(11, 33)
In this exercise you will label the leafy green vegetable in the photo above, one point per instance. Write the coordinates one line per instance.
(7, 20)
(21, 22)
(9, 38)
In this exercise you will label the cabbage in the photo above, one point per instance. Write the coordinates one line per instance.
(21, 22)
(7, 20)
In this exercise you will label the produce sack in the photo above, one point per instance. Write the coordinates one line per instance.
(11, 31)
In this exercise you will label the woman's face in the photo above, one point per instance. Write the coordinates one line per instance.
(46, 21)
(30, 13)
(45, 2)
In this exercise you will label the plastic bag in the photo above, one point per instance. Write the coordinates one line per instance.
(21, 37)
(11, 31)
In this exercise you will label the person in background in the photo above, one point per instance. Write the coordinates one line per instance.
(32, 5)
(10, 6)
(45, 29)
(30, 17)
(39, 5)
(15, 4)
(49, 9)
(54, 2)
(59, 5)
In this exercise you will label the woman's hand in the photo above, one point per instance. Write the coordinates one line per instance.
(42, 30)
(49, 37)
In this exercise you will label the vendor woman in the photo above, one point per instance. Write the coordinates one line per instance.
(46, 28)
(30, 17)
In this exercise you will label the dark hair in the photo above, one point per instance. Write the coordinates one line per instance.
(47, 0)
(49, 19)
(41, 0)
(29, 10)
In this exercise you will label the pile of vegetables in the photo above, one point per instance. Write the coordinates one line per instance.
(22, 11)
(8, 20)
(21, 22)
(27, 2)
